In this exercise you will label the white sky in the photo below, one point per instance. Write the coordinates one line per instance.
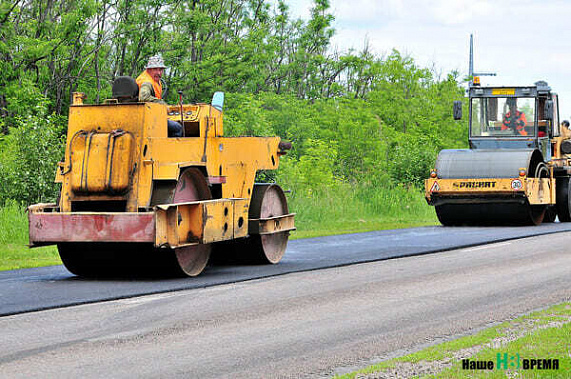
(523, 41)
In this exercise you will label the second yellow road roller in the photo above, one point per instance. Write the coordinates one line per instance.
(517, 168)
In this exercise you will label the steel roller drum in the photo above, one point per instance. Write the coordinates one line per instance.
(493, 164)
(474, 164)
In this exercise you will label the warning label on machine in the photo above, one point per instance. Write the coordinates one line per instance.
(474, 184)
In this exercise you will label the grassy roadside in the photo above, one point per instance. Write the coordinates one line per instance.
(339, 210)
(14, 251)
(543, 334)
(346, 209)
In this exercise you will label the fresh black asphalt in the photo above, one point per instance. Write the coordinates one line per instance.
(52, 287)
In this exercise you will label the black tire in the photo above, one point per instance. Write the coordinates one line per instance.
(563, 199)
(483, 214)
(446, 216)
(115, 260)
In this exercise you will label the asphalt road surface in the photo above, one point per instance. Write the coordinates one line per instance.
(304, 324)
(52, 287)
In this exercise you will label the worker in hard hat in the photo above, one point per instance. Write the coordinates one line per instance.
(151, 89)
(514, 119)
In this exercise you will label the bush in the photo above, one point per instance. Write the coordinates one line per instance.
(28, 157)
(411, 157)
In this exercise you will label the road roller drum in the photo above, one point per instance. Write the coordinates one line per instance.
(473, 164)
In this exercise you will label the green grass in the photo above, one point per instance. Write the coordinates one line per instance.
(536, 335)
(339, 210)
(14, 251)
(347, 209)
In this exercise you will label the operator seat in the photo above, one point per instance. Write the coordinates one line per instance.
(125, 90)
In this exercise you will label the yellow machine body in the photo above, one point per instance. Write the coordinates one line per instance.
(120, 163)
(538, 191)
(104, 164)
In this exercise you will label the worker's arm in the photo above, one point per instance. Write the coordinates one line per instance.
(506, 123)
(522, 118)
(146, 93)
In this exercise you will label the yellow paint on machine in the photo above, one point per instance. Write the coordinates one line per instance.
(101, 162)
(536, 190)
(121, 152)
(106, 166)
(201, 222)
(503, 91)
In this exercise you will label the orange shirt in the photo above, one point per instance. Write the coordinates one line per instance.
(517, 119)
(146, 78)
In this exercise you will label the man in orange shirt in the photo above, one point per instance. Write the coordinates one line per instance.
(151, 89)
(514, 119)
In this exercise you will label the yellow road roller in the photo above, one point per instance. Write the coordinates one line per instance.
(517, 169)
(136, 201)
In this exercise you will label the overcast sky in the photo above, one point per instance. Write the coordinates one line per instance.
(521, 40)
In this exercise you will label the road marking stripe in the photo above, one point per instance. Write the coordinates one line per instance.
(488, 246)
(145, 299)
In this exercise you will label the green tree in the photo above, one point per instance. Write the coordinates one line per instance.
(28, 159)
(353, 117)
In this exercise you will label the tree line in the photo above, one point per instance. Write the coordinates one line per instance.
(354, 117)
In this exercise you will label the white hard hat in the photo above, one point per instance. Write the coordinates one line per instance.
(156, 61)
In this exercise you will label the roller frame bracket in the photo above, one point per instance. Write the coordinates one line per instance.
(198, 222)
(272, 225)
